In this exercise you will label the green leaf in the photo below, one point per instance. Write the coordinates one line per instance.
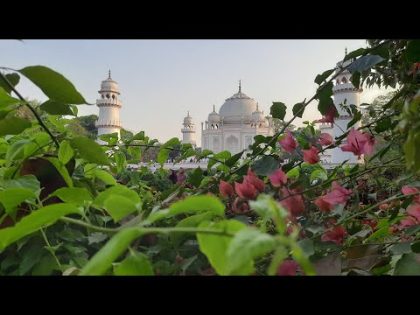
(364, 63)
(62, 170)
(13, 126)
(222, 157)
(119, 207)
(53, 84)
(412, 52)
(408, 265)
(56, 108)
(117, 190)
(383, 125)
(195, 177)
(354, 53)
(268, 208)
(110, 138)
(298, 109)
(137, 264)
(324, 94)
(319, 174)
(27, 181)
(247, 245)
(293, 173)
(401, 248)
(120, 161)
(215, 246)
(102, 260)
(191, 204)
(12, 197)
(139, 136)
(265, 165)
(307, 246)
(302, 259)
(278, 110)
(89, 150)
(34, 221)
(355, 79)
(74, 195)
(412, 149)
(13, 79)
(164, 152)
(415, 247)
(65, 152)
(6, 99)
(322, 77)
(104, 176)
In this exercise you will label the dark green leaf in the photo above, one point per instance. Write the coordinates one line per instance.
(56, 108)
(354, 53)
(322, 77)
(53, 84)
(298, 109)
(89, 150)
(413, 51)
(13, 79)
(355, 79)
(408, 265)
(357, 116)
(307, 246)
(364, 63)
(415, 247)
(401, 248)
(383, 125)
(195, 177)
(265, 165)
(164, 151)
(278, 110)
(34, 221)
(13, 126)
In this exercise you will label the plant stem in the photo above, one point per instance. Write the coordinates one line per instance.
(50, 249)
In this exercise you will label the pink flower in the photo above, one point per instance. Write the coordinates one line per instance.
(278, 178)
(407, 222)
(338, 194)
(408, 190)
(311, 156)
(240, 206)
(414, 211)
(288, 143)
(325, 139)
(294, 204)
(246, 190)
(323, 205)
(358, 143)
(180, 176)
(329, 116)
(288, 268)
(225, 189)
(253, 179)
(335, 235)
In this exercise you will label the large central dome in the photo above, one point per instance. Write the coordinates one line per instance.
(239, 107)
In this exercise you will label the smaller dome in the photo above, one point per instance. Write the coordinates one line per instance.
(258, 116)
(188, 120)
(110, 85)
(214, 117)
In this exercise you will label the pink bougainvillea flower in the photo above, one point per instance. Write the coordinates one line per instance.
(335, 235)
(407, 222)
(323, 205)
(288, 268)
(408, 190)
(358, 143)
(311, 156)
(372, 223)
(180, 176)
(278, 178)
(288, 143)
(329, 116)
(338, 194)
(240, 206)
(384, 206)
(414, 211)
(293, 204)
(225, 189)
(253, 179)
(325, 139)
(246, 190)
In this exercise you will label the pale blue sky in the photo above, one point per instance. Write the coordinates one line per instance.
(161, 79)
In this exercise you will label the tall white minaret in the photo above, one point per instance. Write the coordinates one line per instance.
(188, 130)
(344, 94)
(109, 108)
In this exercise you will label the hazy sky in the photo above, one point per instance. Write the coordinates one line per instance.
(161, 79)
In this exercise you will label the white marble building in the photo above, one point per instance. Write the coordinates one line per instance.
(236, 124)
(109, 108)
(344, 94)
(188, 130)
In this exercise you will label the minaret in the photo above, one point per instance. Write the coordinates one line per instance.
(109, 108)
(344, 94)
(188, 130)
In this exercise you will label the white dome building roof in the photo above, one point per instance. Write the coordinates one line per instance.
(214, 117)
(258, 116)
(188, 119)
(110, 85)
(238, 107)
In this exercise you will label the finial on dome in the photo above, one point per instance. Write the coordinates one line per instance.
(188, 113)
(257, 106)
(345, 51)
(240, 86)
(109, 74)
(214, 108)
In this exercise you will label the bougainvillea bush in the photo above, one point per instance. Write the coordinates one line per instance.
(69, 206)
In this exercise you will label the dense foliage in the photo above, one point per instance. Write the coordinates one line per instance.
(69, 206)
